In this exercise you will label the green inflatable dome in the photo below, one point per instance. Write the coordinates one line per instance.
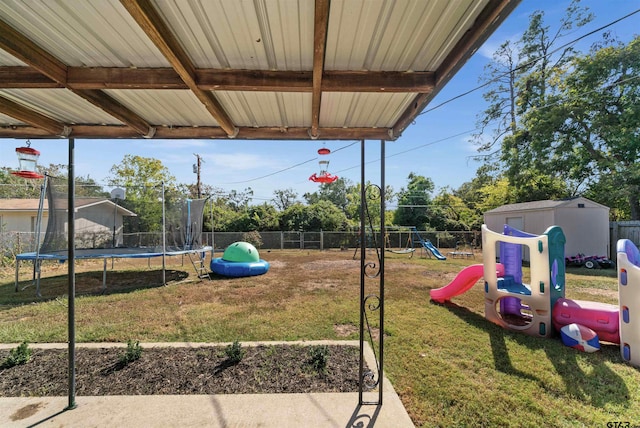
(241, 252)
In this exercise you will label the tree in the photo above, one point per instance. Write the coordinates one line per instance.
(261, 217)
(335, 192)
(12, 186)
(591, 130)
(323, 215)
(284, 198)
(142, 179)
(454, 214)
(415, 207)
(239, 201)
(519, 82)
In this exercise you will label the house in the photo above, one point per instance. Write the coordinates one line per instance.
(98, 220)
(585, 223)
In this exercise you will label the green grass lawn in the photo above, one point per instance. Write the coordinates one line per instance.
(449, 365)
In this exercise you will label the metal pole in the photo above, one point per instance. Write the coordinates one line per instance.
(382, 233)
(36, 262)
(362, 278)
(164, 239)
(71, 188)
(198, 165)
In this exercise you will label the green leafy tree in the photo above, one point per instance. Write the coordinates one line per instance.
(284, 198)
(415, 207)
(260, 217)
(336, 192)
(142, 179)
(454, 213)
(519, 81)
(239, 201)
(590, 130)
(322, 215)
(12, 186)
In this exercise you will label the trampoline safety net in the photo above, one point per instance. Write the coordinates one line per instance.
(183, 223)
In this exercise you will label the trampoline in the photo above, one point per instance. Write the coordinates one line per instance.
(105, 254)
(181, 235)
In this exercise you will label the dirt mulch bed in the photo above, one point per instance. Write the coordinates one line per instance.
(205, 370)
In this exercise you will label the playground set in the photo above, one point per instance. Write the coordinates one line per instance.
(414, 236)
(539, 307)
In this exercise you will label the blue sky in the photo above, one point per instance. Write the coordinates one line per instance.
(436, 146)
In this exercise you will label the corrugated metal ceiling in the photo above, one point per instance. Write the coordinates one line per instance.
(231, 68)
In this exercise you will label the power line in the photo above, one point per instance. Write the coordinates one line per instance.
(285, 169)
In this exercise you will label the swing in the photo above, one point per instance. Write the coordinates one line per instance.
(407, 250)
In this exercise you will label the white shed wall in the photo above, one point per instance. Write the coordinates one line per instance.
(535, 222)
(586, 230)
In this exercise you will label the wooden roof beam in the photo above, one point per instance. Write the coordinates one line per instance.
(156, 29)
(222, 80)
(201, 132)
(27, 51)
(320, 24)
(23, 114)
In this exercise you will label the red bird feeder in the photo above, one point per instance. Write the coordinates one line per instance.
(28, 160)
(324, 176)
(324, 151)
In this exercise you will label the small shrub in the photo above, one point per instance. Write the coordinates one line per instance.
(318, 357)
(132, 353)
(17, 356)
(254, 238)
(234, 353)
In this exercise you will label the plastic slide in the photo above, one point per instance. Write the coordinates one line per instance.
(437, 254)
(428, 245)
(463, 282)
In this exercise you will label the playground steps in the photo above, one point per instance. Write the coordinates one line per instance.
(198, 263)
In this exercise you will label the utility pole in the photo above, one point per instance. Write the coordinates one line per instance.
(196, 169)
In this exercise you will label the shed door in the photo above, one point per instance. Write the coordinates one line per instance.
(517, 222)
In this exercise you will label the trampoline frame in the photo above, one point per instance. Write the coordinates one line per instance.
(99, 253)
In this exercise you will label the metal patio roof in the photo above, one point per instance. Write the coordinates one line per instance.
(244, 69)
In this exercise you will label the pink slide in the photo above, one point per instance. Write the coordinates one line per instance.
(466, 279)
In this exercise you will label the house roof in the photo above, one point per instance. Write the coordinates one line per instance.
(14, 205)
(264, 69)
(543, 205)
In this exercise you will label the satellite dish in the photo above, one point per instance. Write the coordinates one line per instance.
(117, 193)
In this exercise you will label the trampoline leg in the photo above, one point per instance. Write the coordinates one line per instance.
(17, 271)
(37, 266)
(104, 276)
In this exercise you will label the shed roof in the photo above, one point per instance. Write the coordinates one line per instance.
(263, 69)
(543, 205)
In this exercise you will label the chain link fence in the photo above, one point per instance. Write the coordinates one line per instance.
(12, 243)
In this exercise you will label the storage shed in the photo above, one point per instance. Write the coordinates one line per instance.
(585, 223)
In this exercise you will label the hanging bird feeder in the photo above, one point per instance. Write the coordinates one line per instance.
(324, 176)
(27, 161)
(324, 151)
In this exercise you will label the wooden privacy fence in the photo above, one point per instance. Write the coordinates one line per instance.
(623, 230)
